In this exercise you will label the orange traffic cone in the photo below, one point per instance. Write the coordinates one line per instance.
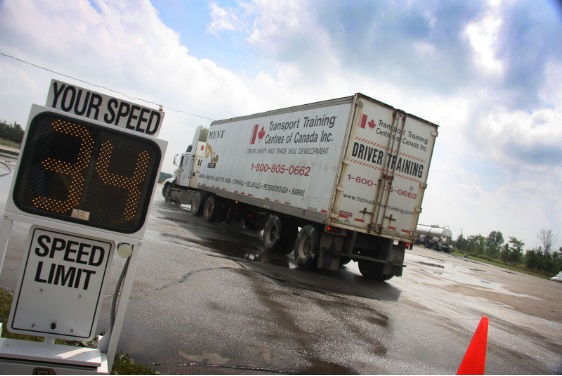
(474, 361)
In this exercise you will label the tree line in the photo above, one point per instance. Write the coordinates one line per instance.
(12, 132)
(543, 259)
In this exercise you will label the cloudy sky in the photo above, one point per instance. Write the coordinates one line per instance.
(488, 72)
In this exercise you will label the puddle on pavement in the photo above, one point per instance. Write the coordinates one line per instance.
(236, 249)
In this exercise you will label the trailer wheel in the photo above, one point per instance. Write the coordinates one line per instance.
(197, 203)
(211, 211)
(306, 246)
(373, 270)
(279, 235)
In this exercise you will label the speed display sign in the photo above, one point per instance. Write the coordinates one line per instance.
(83, 172)
(84, 180)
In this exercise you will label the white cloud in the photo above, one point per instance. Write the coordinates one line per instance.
(483, 37)
(551, 91)
(425, 48)
(285, 32)
(430, 18)
(126, 46)
(277, 19)
(224, 19)
(521, 139)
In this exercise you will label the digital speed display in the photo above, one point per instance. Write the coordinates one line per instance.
(86, 173)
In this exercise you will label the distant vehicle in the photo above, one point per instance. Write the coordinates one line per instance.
(331, 181)
(557, 277)
(434, 237)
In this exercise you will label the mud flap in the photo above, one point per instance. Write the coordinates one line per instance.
(397, 270)
(395, 255)
(328, 260)
(329, 255)
(388, 269)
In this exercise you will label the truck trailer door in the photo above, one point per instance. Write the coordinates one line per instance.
(384, 171)
(362, 180)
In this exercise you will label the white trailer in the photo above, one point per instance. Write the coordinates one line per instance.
(332, 181)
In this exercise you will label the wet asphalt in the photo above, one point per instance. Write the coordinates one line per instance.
(207, 300)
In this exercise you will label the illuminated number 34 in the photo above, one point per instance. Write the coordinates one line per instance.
(76, 172)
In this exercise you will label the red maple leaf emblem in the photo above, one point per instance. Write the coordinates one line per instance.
(372, 124)
(261, 133)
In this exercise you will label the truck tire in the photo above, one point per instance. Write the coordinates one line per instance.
(373, 270)
(212, 211)
(279, 235)
(197, 203)
(306, 246)
(166, 192)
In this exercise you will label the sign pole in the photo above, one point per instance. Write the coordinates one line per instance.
(5, 229)
(108, 343)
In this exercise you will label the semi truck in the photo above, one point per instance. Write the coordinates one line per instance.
(333, 181)
(434, 237)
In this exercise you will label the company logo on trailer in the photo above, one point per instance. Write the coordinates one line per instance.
(364, 121)
(210, 154)
(257, 133)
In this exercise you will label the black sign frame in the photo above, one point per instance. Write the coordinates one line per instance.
(85, 173)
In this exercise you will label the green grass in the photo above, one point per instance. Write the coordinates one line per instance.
(9, 143)
(518, 268)
(122, 365)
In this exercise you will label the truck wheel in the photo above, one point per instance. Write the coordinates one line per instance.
(279, 235)
(197, 203)
(373, 270)
(166, 192)
(306, 246)
(212, 212)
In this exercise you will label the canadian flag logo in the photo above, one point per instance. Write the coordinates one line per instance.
(363, 122)
(257, 132)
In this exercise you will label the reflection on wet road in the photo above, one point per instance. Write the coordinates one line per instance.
(236, 243)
